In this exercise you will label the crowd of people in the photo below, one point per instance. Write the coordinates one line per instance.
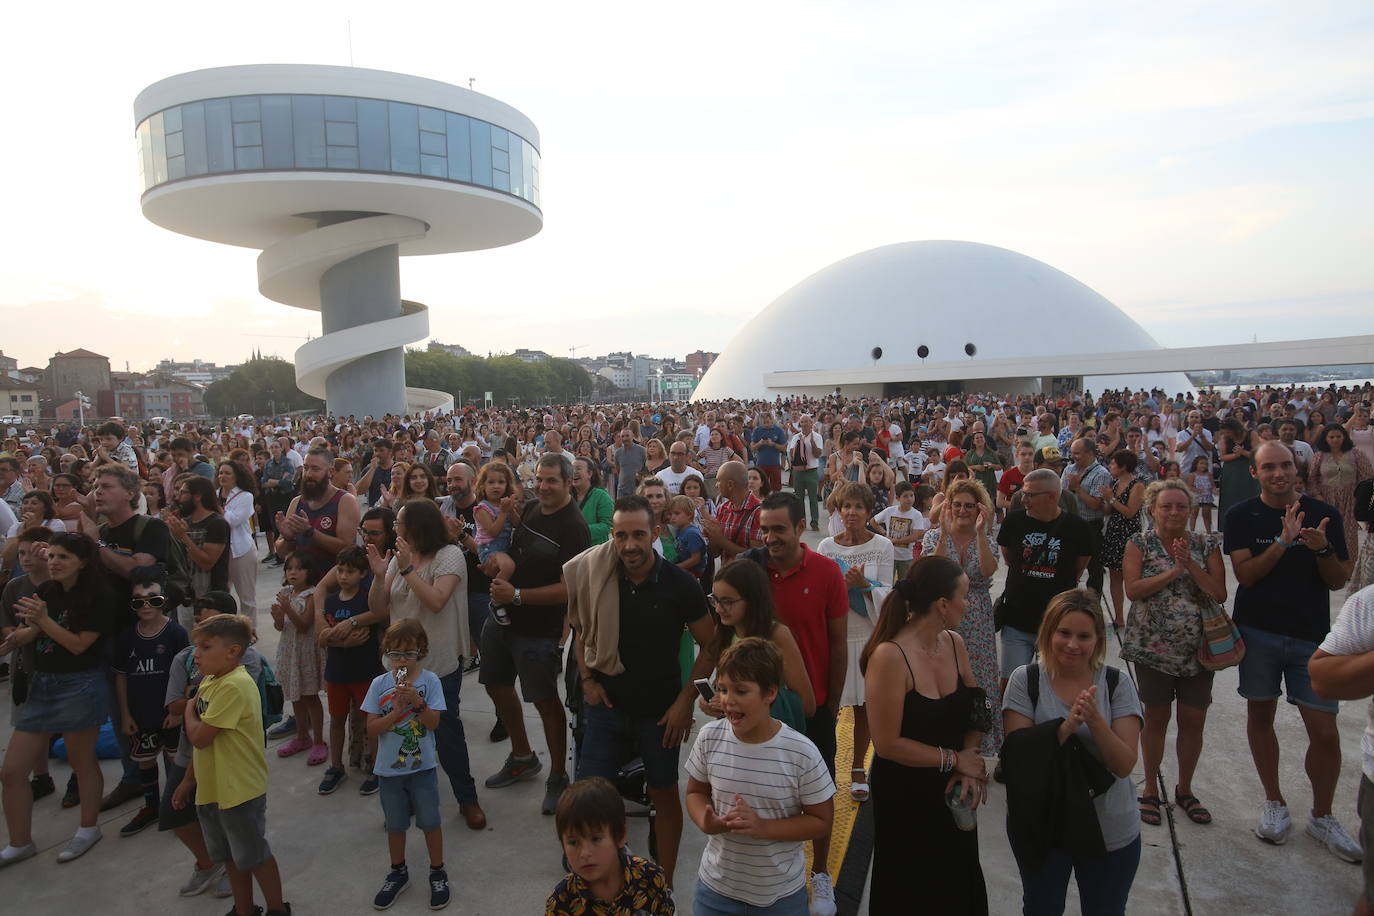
(639, 568)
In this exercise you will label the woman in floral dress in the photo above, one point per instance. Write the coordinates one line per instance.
(963, 537)
(1173, 576)
(1337, 468)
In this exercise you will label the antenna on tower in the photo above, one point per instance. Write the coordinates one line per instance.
(471, 80)
(350, 42)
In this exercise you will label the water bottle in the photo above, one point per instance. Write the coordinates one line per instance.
(965, 818)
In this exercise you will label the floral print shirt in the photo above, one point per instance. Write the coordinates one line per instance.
(1164, 630)
(645, 893)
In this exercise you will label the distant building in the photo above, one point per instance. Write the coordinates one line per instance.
(196, 371)
(618, 375)
(138, 397)
(699, 361)
(9, 366)
(73, 371)
(531, 356)
(31, 374)
(451, 349)
(19, 398)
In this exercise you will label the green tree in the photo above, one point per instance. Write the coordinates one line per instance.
(504, 376)
(260, 387)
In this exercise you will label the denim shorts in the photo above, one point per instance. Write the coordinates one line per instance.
(1018, 648)
(613, 738)
(59, 703)
(1271, 659)
(709, 903)
(413, 793)
(237, 834)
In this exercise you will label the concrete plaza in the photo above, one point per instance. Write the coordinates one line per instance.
(332, 850)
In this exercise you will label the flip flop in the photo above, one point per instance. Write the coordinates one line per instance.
(858, 790)
(1192, 807)
(1149, 812)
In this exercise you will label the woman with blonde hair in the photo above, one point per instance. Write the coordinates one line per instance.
(965, 538)
(1072, 695)
(1172, 576)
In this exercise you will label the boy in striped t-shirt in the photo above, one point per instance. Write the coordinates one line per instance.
(758, 789)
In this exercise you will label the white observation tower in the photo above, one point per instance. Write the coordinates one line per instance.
(334, 173)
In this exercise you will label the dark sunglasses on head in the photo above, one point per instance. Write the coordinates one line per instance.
(149, 601)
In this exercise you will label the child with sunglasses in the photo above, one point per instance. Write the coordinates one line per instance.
(142, 662)
(403, 707)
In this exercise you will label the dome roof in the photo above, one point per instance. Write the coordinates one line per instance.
(942, 295)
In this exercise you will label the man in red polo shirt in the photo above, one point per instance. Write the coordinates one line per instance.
(811, 598)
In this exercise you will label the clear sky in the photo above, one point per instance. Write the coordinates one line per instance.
(1203, 165)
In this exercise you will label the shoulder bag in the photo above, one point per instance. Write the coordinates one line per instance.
(1221, 646)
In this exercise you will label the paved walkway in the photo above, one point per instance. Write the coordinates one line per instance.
(333, 852)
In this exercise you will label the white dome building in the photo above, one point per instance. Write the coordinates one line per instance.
(960, 301)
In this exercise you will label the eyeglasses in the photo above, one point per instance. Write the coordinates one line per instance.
(964, 507)
(1027, 494)
(717, 603)
(370, 533)
(403, 656)
(150, 601)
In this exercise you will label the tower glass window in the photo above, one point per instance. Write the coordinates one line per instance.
(326, 132)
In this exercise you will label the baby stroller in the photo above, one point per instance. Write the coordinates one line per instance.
(629, 780)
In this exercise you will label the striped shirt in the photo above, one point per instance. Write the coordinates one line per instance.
(775, 778)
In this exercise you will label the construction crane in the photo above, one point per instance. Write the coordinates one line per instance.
(573, 350)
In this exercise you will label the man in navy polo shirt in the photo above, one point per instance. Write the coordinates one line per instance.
(769, 442)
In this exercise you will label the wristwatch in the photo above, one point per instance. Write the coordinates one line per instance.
(1325, 552)
(407, 571)
(516, 599)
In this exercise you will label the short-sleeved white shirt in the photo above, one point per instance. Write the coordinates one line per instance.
(1353, 634)
(775, 778)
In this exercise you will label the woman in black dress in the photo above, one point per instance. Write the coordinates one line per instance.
(1121, 503)
(923, 704)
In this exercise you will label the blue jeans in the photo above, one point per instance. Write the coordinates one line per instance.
(708, 903)
(1018, 648)
(479, 609)
(413, 792)
(1104, 884)
(614, 737)
(450, 741)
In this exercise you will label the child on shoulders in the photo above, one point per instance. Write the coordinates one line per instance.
(499, 495)
(687, 536)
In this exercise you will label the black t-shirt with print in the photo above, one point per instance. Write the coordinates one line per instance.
(81, 610)
(1044, 562)
(213, 529)
(1292, 600)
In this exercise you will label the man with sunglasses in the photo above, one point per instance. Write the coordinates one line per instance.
(1046, 551)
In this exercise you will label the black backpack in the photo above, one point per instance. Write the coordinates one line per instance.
(178, 562)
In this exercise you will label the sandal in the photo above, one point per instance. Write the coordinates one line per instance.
(1149, 810)
(858, 790)
(318, 755)
(1192, 807)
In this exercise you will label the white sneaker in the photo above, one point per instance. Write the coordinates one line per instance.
(822, 895)
(78, 846)
(1329, 832)
(200, 880)
(222, 888)
(1274, 823)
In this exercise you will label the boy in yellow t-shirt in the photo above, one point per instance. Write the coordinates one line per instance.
(228, 770)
